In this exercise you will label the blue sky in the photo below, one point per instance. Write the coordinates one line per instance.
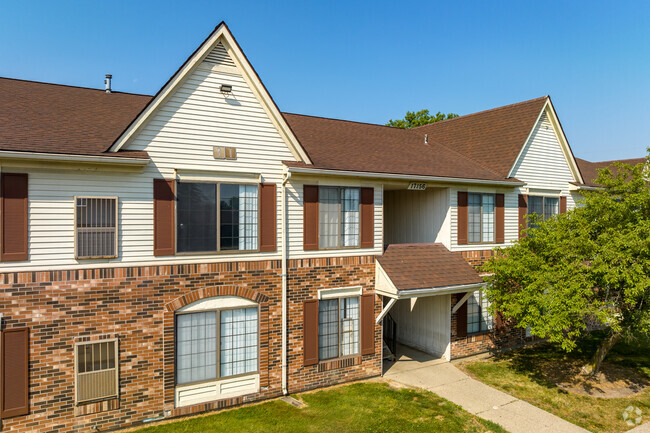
(367, 61)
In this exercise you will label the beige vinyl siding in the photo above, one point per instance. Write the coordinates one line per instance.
(180, 135)
(542, 165)
(416, 216)
(295, 218)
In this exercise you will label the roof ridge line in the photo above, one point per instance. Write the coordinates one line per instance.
(345, 120)
(72, 86)
(481, 112)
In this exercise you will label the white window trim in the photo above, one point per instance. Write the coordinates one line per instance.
(340, 292)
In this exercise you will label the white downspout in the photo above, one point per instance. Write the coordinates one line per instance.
(287, 176)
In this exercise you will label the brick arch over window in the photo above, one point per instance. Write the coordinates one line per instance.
(211, 292)
(196, 295)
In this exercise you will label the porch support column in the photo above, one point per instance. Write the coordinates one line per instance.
(385, 310)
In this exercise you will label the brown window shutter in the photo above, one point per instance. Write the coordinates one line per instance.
(310, 332)
(461, 318)
(368, 324)
(523, 211)
(268, 214)
(163, 217)
(15, 372)
(367, 217)
(310, 217)
(563, 204)
(462, 218)
(14, 217)
(500, 218)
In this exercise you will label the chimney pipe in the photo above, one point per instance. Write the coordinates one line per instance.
(107, 81)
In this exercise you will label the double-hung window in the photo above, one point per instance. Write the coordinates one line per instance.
(217, 217)
(544, 207)
(480, 218)
(339, 224)
(479, 317)
(338, 327)
(211, 345)
(96, 370)
(95, 227)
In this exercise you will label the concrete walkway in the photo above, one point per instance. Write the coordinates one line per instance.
(417, 369)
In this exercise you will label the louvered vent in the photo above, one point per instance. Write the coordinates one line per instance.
(219, 56)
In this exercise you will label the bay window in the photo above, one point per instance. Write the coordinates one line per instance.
(217, 217)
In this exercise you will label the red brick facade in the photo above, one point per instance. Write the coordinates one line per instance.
(473, 344)
(137, 305)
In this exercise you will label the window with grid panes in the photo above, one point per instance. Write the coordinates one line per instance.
(480, 218)
(338, 327)
(544, 207)
(479, 318)
(217, 217)
(215, 344)
(339, 224)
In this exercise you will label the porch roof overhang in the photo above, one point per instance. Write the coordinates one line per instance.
(417, 270)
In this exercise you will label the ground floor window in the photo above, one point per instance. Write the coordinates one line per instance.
(479, 318)
(96, 370)
(338, 327)
(216, 344)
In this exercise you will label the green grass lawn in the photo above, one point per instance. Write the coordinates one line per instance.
(360, 407)
(525, 374)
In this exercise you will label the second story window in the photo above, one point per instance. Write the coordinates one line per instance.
(217, 217)
(545, 207)
(338, 217)
(480, 218)
(96, 227)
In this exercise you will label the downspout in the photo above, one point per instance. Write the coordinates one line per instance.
(287, 176)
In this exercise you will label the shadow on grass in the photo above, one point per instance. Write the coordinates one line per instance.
(546, 364)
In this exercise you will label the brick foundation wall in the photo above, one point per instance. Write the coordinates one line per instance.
(473, 344)
(137, 304)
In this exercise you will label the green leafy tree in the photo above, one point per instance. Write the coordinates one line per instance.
(590, 265)
(419, 118)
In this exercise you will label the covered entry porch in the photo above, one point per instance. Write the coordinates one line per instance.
(416, 282)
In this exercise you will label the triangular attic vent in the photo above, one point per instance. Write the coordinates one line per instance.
(219, 56)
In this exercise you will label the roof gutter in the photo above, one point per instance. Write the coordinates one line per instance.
(87, 159)
(432, 291)
(364, 174)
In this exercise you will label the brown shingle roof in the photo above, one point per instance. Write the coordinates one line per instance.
(492, 138)
(353, 146)
(589, 170)
(52, 118)
(418, 266)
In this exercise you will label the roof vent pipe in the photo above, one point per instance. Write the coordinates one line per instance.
(426, 138)
(107, 81)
